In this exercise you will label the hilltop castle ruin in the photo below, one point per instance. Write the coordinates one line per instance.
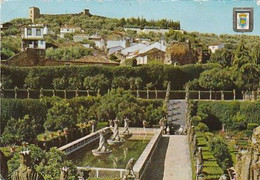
(34, 13)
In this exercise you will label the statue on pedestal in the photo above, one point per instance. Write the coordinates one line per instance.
(116, 131)
(25, 170)
(129, 169)
(162, 124)
(102, 143)
(102, 150)
(126, 126)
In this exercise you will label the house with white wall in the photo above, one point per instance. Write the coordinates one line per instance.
(33, 36)
(68, 30)
(216, 46)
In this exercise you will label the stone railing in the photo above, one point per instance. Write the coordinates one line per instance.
(145, 159)
(145, 94)
(83, 142)
(102, 172)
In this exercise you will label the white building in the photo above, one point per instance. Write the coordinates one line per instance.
(33, 36)
(98, 40)
(214, 47)
(144, 53)
(114, 46)
(68, 30)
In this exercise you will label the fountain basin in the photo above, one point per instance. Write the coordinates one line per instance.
(126, 136)
(115, 143)
(97, 153)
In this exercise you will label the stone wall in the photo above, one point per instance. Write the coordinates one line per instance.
(146, 157)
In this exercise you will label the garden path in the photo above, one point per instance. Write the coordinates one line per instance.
(172, 157)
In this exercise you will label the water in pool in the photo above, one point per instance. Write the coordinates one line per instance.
(117, 159)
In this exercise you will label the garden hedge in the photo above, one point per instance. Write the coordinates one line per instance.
(157, 74)
(235, 115)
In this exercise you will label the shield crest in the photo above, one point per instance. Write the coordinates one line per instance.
(243, 20)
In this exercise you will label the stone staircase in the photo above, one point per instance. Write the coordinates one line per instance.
(177, 111)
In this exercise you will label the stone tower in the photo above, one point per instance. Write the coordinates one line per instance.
(86, 12)
(34, 13)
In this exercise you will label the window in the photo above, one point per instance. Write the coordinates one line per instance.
(38, 32)
(29, 31)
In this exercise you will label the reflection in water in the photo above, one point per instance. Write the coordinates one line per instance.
(117, 159)
(125, 152)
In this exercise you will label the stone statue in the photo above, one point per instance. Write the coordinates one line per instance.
(102, 142)
(129, 169)
(144, 124)
(199, 162)
(126, 126)
(162, 123)
(116, 131)
(64, 173)
(25, 170)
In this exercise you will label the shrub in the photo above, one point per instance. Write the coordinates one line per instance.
(221, 152)
(48, 164)
(60, 116)
(203, 127)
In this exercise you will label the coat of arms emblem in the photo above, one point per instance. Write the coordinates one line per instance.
(242, 20)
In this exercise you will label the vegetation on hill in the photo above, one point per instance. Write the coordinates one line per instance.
(67, 53)
(240, 70)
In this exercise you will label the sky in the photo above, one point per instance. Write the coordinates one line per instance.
(207, 16)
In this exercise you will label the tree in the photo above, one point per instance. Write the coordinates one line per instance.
(222, 56)
(216, 79)
(6, 82)
(59, 83)
(32, 80)
(21, 129)
(247, 78)
(60, 116)
(149, 86)
(96, 82)
(180, 53)
(138, 82)
(82, 114)
(256, 54)
(153, 114)
(120, 82)
(53, 162)
(117, 103)
(75, 83)
(241, 55)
